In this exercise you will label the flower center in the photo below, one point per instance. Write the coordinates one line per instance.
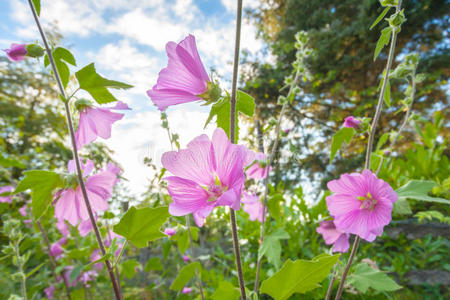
(367, 202)
(215, 190)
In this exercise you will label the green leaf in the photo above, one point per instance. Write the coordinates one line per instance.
(387, 94)
(226, 291)
(185, 274)
(298, 276)
(62, 56)
(430, 214)
(8, 162)
(37, 6)
(182, 241)
(42, 185)
(271, 247)
(129, 268)
(34, 270)
(97, 86)
(222, 111)
(154, 264)
(382, 41)
(75, 272)
(142, 225)
(380, 17)
(401, 207)
(418, 190)
(344, 134)
(383, 139)
(375, 161)
(365, 277)
(61, 53)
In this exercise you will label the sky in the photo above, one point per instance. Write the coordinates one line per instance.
(126, 41)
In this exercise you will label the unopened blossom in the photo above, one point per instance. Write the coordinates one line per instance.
(256, 163)
(361, 204)
(16, 52)
(96, 122)
(170, 231)
(186, 258)
(333, 236)
(49, 292)
(186, 290)
(253, 207)
(5, 189)
(207, 174)
(71, 206)
(351, 122)
(184, 79)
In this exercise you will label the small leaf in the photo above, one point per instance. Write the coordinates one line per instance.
(387, 94)
(182, 241)
(345, 134)
(61, 56)
(380, 17)
(365, 277)
(34, 270)
(75, 273)
(129, 268)
(382, 41)
(185, 274)
(42, 185)
(375, 161)
(298, 276)
(97, 86)
(142, 225)
(383, 139)
(226, 291)
(37, 6)
(271, 247)
(401, 207)
(418, 190)
(153, 264)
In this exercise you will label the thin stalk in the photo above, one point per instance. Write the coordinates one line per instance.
(23, 281)
(52, 260)
(266, 180)
(120, 253)
(75, 151)
(330, 286)
(191, 242)
(371, 138)
(237, 253)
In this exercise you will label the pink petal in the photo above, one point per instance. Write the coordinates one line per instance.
(86, 132)
(103, 119)
(66, 207)
(164, 97)
(187, 196)
(341, 244)
(190, 46)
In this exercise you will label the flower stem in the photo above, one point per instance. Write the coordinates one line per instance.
(75, 151)
(191, 242)
(347, 267)
(52, 260)
(233, 140)
(266, 180)
(20, 263)
(330, 286)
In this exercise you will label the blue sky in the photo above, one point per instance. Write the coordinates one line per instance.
(126, 40)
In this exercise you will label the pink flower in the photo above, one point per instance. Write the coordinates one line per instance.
(96, 256)
(87, 277)
(56, 249)
(62, 227)
(253, 207)
(351, 122)
(209, 173)
(257, 163)
(331, 235)
(113, 168)
(16, 52)
(96, 122)
(170, 231)
(85, 226)
(361, 204)
(184, 79)
(49, 292)
(5, 189)
(186, 258)
(71, 206)
(23, 210)
(186, 290)
(114, 236)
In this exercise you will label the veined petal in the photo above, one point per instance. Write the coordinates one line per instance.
(103, 120)
(164, 97)
(187, 196)
(86, 132)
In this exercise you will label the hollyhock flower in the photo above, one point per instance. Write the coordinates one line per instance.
(333, 236)
(209, 173)
(351, 122)
(186, 258)
(16, 52)
(86, 226)
(170, 231)
(96, 121)
(184, 79)
(256, 165)
(361, 204)
(186, 290)
(23, 210)
(113, 168)
(49, 292)
(5, 189)
(71, 206)
(56, 249)
(87, 277)
(96, 256)
(62, 227)
(253, 207)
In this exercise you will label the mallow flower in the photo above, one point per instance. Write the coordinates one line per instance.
(70, 203)
(170, 231)
(253, 207)
(351, 122)
(207, 174)
(333, 236)
(256, 164)
(16, 52)
(186, 259)
(186, 290)
(56, 249)
(49, 292)
(184, 79)
(5, 189)
(361, 204)
(96, 121)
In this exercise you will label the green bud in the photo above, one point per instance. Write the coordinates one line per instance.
(69, 180)
(35, 51)
(212, 93)
(420, 77)
(385, 3)
(282, 100)
(273, 122)
(397, 19)
(80, 104)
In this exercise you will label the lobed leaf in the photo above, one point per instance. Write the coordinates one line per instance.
(185, 274)
(380, 17)
(365, 277)
(226, 291)
(382, 41)
(418, 190)
(345, 134)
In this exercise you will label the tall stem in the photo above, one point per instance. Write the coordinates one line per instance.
(266, 180)
(237, 253)
(191, 242)
(330, 286)
(75, 151)
(373, 128)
